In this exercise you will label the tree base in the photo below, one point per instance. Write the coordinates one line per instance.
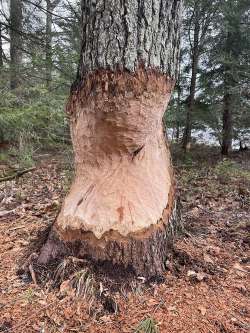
(142, 253)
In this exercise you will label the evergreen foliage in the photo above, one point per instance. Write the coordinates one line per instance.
(36, 109)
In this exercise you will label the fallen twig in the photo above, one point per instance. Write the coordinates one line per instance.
(17, 228)
(5, 212)
(16, 175)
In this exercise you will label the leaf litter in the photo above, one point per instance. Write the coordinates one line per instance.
(206, 285)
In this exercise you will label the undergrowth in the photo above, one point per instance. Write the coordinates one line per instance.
(37, 114)
(30, 122)
(230, 168)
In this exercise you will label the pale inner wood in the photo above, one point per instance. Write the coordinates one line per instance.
(123, 166)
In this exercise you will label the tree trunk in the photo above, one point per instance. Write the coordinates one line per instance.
(191, 100)
(15, 43)
(178, 110)
(122, 204)
(48, 44)
(50, 6)
(227, 125)
(229, 84)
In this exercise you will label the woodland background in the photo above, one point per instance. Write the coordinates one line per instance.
(39, 49)
(206, 286)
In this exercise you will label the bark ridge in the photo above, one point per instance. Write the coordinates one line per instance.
(127, 33)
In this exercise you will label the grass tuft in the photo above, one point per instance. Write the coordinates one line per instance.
(147, 325)
(84, 284)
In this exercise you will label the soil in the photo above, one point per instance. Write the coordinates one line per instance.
(204, 290)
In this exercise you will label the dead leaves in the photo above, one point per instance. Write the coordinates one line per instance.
(202, 310)
(213, 250)
(208, 259)
(197, 276)
(66, 288)
(206, 281)
(152, 302)
(242, 288)
(240, 270)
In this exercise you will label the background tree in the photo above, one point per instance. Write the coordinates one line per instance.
(33, 113)
(235, 40)
(15, 42)
(36, 99)
(206, 116)
(226, 70)
(50, 6)
(1, 47)
(198, 21)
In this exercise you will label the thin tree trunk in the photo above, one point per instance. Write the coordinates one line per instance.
(48, 44)
(178, 111)
(50, 6)
(227, 125)
(1, 47)
(15, 43)
(229, 84)
(121, 208)
(191, 99)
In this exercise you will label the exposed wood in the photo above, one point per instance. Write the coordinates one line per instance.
(113, 188)
(142, 253)
(121, 204)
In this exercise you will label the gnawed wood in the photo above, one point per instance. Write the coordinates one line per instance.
(121, 208)
(143, 253)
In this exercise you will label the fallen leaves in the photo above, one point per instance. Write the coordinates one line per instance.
(195, 212)
(242, 288)
(66, 288)
(239, 270)
(152, 302)
(213, 250)
(196, 296)
(202, 310)
(197, 276)
(208, 259)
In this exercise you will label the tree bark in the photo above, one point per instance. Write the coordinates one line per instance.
(15, 43)
(122, 205)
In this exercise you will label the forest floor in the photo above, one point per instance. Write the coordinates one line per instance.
(204, 290)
